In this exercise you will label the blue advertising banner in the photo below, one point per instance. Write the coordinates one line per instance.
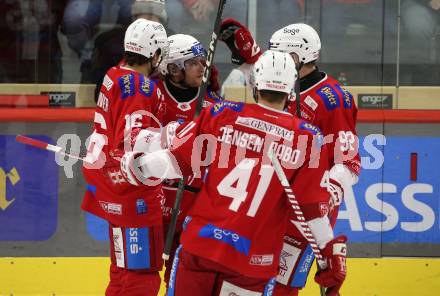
(28, 191)
(386, 205)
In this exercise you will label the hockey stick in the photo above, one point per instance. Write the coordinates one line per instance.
(46, 146)
(322, 264)
(199, 106)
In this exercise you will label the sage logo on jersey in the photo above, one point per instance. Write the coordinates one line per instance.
(239, 243)
(28, 191)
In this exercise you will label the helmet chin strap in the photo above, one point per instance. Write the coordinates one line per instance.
(254, 94)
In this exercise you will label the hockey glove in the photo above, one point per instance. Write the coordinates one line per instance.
(336, 193)
(333, 276)
(130, 169)
(240, 42)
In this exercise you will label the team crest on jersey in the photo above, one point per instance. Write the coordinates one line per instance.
(184, 106)
(329, 96)
(347, 97)
(126, 83)
(219, 107)
(146, 86)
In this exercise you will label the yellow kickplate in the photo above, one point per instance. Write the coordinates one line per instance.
(89, 276)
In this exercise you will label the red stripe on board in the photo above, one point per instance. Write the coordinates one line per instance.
(24, 100)
(47, 114)
(399, 116)
(413, 168)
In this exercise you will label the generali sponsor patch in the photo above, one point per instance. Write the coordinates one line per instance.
(266, 127)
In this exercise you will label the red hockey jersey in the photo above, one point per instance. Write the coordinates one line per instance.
(173, 110)
(240, 216)
(331, 107)
(127, 103)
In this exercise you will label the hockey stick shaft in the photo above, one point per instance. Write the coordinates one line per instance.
(46, 146)
(179, 194)
(299, 216)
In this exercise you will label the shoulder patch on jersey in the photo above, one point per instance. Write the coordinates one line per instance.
(314, 130)
(309, 101)
(126, 83)
(219, 107)
(346, 95)
(146, 86)
(107, 82)
(214, 96)
(329, 96)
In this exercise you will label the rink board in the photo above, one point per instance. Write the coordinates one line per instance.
(88, 276)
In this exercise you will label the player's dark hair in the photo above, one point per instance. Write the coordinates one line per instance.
(272, 96)
(312, 63)
(132, 58)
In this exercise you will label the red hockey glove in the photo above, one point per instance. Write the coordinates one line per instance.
(333, 276)
(239, 40)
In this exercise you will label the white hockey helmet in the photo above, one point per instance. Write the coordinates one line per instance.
(301, 39)
(145, 38)
(182, 48)
(274, 71)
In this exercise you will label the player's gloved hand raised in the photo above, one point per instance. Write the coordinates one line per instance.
(237, 37)
(333, 276)
(130, 168)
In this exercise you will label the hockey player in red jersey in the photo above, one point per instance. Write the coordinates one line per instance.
(233, 235)
(324, 103)
(126, 102)
(183, 73)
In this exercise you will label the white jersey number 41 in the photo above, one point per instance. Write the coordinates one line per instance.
(240, 176)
